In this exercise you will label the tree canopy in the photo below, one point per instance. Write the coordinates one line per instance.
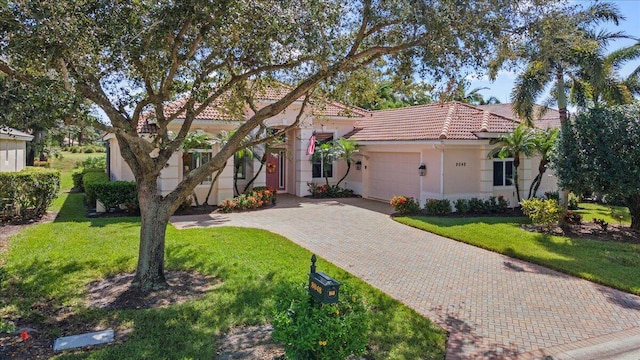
(133, 58)
(600, 152)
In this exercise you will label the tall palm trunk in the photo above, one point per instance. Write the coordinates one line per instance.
(345, 174)
(564, 118)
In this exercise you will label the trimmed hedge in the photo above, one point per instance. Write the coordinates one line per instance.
(89, 180)
(112, 194)
(27, 194)
(78, 175)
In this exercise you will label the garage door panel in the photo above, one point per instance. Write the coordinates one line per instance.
(392, 174)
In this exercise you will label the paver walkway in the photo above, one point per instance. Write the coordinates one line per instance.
(493, 306)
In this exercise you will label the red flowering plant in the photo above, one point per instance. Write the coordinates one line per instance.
(255, 199)
(405, 204)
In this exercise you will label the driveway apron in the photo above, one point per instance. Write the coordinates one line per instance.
(492, 306)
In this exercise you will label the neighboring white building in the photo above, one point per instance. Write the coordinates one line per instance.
(13, 149)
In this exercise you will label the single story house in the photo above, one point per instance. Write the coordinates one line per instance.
(428, 151)
(13, 149)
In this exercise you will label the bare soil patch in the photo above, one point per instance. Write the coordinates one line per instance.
(249, 343)
(116, 293)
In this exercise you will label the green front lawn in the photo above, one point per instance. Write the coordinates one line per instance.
(612, 264)
(49, 265)
(606, 212)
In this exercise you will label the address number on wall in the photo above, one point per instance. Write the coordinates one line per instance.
(461, 164)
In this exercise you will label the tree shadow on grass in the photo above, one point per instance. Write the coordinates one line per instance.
(74, 210)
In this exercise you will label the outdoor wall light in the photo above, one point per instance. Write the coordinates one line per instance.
(358, 165)
(422, 170)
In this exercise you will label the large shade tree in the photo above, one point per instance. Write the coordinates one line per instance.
(600, 152)
(132, 58)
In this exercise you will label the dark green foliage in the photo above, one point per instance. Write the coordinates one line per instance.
(462, 206)
(89, 179)
(600, 151)
(112, 194)
(27, 194)
(476, 205)
(312, 331)
(437, 207)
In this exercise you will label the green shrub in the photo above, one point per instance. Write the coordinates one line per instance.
(573, 202)
(437, 207)
(97, 162)
(89, 150)
(552, 195)
(503, 204)
(26, 195)
(491, 205)
(112, 194)
(405, 204)
(476, 205)
(74, 149)
(462, 206)
(542, 212)
(312, 331)
(78, 177)
(89, 180)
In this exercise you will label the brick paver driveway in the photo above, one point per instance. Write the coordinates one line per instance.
(493, 306)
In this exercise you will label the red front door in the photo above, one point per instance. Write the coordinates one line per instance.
(275, 168)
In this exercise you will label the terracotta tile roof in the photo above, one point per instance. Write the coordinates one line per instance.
(215, 112)
(454, 121)
(550, 118)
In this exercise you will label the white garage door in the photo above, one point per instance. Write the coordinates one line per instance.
(392, 174)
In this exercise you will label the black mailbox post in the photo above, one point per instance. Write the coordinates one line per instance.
(322, 287)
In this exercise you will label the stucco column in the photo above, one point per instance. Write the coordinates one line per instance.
(225, 182)
(486, 172)
(302, 162)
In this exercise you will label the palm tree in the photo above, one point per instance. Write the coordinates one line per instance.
(460, 91)
(517, 143)
(543, 144)
(598, 82)
(561, 44)
(345, 149)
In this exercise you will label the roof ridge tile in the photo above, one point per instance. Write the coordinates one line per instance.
(448, 120)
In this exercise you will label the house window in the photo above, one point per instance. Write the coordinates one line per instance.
(196, 158)
(240, 166)
(502, 172)
(320, 168)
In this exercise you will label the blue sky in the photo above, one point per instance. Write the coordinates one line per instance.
(630, 9)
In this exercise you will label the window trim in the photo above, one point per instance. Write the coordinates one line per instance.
(242, 170)
(504, 172)
(207, 181)
(333, 163)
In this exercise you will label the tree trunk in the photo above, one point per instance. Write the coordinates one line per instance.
(562, 110)
(633, 203)
(345, 174)
(533, 188)
(154, 215)
(515, 182)
(263, 160)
